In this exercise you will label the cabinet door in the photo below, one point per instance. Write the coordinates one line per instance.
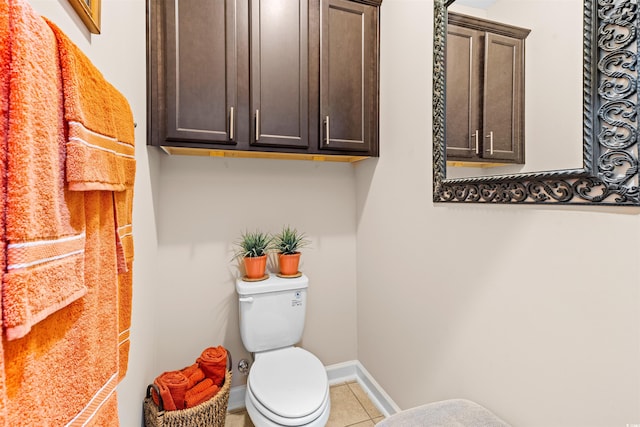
(200, 54)
(503, 103)
(279, 73)
(349, 76)
(464, 92)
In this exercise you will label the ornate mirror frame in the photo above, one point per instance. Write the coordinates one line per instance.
(609, 175)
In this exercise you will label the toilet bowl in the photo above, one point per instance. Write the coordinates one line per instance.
(287, 387)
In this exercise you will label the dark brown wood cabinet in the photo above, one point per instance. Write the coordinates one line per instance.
(279, 73)
(349, 76)
(484, 90)
(258, 78)
(199, 83)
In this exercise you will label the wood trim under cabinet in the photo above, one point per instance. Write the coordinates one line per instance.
(463, 164)
(205, 152)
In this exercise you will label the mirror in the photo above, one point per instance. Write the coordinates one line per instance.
(551, 38)
(608, 130)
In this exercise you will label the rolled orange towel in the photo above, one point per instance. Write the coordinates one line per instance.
(167, 400)
(189, 370)
(201, 392)
(173, 387)
(213, 362)
(194, 374)
(196, 377)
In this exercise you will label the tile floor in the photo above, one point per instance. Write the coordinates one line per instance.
(350, 406)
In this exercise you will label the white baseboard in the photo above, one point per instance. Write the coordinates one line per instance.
(338, 373)
(236, 397)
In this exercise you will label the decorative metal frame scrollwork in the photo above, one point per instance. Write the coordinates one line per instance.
(610, 112)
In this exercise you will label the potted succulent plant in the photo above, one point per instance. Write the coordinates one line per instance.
(288, 243)
(252, 249)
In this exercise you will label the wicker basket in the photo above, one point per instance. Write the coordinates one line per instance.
(211, 413)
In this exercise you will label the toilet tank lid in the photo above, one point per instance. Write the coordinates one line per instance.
(272, 284)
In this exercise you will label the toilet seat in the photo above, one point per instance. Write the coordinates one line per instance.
(289, 386)
(277, 420)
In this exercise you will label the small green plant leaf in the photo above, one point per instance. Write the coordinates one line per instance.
(289, 241)
(253, 244)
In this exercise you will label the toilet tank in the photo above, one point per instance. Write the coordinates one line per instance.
(272, 312)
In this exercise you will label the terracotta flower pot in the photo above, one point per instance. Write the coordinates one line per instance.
(255, 266)
(289, 263)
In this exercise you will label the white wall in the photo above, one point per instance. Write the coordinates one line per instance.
(204, 205)
(532, 311)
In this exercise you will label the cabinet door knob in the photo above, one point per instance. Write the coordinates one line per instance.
(326, 128)
(257, 125)
(231, 124)
(490, 136)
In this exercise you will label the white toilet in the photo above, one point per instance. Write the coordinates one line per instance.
(287, 385)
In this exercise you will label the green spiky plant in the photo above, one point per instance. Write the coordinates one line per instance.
(253, 244)
(289, 241)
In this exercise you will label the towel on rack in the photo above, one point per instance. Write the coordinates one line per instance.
(100, 148)
(100, 145)
(123, 203)
(5, 58)
(75, 348)
(44, 220)
(125, 281)
(101, 156)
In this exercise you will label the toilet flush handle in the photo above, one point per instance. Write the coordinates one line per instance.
(245, 299)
